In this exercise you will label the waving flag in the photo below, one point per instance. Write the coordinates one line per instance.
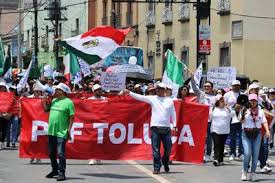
(7, 70)
(72, 70)
(96, 44)
(24, 80)
(2, 58)
(173, 74)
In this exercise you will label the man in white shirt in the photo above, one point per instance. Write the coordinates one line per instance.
(235, 127)
(206, 97)
(163, 112)
(97, 96)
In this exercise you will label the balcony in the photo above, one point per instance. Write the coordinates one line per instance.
(104, 20)
(167, 16)
(224, 7)
(184, 13)
(150, 19)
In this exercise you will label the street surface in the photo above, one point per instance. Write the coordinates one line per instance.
(15, 170)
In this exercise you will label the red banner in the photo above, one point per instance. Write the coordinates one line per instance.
(116, 129)
(6, 101)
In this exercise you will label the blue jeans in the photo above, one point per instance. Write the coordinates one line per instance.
(57, 145)
(251, 149)
(161, 134)
(12, 130)
(209, 140)
(263, 156)
(236, 133)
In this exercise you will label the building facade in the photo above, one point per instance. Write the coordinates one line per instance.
(118, 15)
(76, 23)
(244, 42)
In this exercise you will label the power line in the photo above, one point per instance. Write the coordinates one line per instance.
(20, 21)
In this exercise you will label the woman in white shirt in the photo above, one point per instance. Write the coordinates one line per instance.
(221, 116)
(252, 121)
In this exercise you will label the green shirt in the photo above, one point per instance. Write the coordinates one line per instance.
(60, 112)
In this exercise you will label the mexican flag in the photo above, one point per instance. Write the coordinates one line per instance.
(173, 74)
(96, 44)
(72, 70)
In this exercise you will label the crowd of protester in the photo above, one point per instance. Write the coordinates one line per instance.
(244, 117)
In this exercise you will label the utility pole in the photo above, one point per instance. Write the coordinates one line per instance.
(54, 15)
(19, 55)
(35, 32)
(198, 22)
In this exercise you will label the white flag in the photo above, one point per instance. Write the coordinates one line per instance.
(198, 75)
(24, 80)
(84, 67)
(48, 71)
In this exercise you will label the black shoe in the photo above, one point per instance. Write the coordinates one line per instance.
(61, 177)
(166, 167)
(156, 172)
(8, 144)
(13, 145)
(52, 174)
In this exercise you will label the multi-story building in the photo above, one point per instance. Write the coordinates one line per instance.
(9, 24)
(118, 15)
(242, 36)
(76, 23)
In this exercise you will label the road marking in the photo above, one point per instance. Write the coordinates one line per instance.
(148, 172)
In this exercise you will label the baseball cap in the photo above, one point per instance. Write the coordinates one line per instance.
(252, 97)
(236, 82)
(96, 87)
(63, 87)
(272, 90)
(136, 86)
(150, 88)
(161, 85)
(253, 86)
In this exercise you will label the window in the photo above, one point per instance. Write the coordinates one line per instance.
(105, 8)
(129, 14)
(168, 3)
(77, 25)
(225, 55)
(151, 65)
(151, 6)
(185, 59)
(237, 29)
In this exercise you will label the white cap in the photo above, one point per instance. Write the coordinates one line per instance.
(253, 86)
(63, 87)
(136, 86)
(161, 85)
(96, 87)
(36, 87)
(236, 82)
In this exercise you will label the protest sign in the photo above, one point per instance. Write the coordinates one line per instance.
(113, 81)
(221, 77)
(114, 129)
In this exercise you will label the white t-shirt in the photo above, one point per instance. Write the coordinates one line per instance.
(230, 98)
(221, 118)
(209, 100)
(249, 123)
(163, 109)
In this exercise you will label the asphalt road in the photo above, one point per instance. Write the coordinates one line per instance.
(16, 170)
